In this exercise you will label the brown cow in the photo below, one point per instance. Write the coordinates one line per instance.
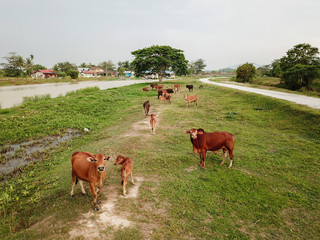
(203, 142)
(165, 97)
(145, 89)
(146, 107)
(190, 99)
(126, 170)
(152, 85)
(177, 87)
(153, 123)
(90, 168)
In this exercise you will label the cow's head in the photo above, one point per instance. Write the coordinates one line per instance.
(99, 160)
(193, 132)
(120, 159)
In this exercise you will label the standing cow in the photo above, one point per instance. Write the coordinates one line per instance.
(90, 168)
(146, 107)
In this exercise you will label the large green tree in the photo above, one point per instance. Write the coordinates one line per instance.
(301, 66)
(158, 59)
(245, 72)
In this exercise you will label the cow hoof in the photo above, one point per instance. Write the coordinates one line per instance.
(98, 202)
(84, 194)
(96, 208)
(72, 195)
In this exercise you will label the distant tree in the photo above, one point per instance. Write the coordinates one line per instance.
(86, 65)
(300, 67)
(276, 69)
(245, 72)
(13, 67)
(65, 68)
(158, 59)
(107, 66)
(29, 64)
(199, 65)
(264, 70)
(191, 69)
(37, 67)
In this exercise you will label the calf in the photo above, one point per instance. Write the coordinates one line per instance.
(145, 89)
(90, 168)
(153, 123)
(203, 142)
(126, 170)
(165, 97)
(190, 99)
(177, 87)
(190, 87)
(146, 107)
(162, 91)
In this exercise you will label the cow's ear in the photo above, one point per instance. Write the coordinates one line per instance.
(91, 159)
(187, 132)
(107, 158)
(200, 132)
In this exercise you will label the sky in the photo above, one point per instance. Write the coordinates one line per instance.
(223, 33)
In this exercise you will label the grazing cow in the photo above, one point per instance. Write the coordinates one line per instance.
(203, 142)
(146, 107)
(152, 85)
(90, 168)
(165, 97)
(190, 87)
(126, 170)
(145, 89)
(153, 123)
(161, 92)
(190, 99)
(177, 87)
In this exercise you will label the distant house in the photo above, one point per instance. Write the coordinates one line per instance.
(49, 73)
(97, 70)
(88, 74)
(82, 69)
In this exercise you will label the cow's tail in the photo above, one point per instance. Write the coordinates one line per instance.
(76, 181)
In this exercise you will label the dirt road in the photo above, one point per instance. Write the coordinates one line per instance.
(299, 99)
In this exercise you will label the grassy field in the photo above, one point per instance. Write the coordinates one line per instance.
(271, 192)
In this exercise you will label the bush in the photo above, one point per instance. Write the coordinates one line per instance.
(245, 72)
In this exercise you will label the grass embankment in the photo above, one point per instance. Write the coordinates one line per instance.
(11, 81)
(272, 191)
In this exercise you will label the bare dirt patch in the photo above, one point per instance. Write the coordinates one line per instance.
(90, 224)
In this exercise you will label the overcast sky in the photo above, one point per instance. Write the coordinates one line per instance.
(221, 32)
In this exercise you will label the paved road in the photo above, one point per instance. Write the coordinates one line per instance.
(299, 99)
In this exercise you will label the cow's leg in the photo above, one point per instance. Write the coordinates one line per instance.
(132, 179)
(82, 188)
(224, 156)
(74, 178)
(203, 158)
(124, 182)
(231, 157)
(95, 196)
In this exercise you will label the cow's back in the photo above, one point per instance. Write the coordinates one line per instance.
(216, 140)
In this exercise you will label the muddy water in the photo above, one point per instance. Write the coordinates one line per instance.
(13, 95)
(14, 156)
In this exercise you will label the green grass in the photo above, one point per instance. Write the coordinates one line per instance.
(272, 191)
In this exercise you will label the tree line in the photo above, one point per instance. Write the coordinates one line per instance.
(154, 59)
(299, 68)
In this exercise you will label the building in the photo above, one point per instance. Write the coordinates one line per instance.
(48, 73)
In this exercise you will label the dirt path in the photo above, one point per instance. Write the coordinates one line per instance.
(92, 224)
(299, 99)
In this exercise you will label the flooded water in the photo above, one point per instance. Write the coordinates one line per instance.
(14, 156)
(13, 95)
